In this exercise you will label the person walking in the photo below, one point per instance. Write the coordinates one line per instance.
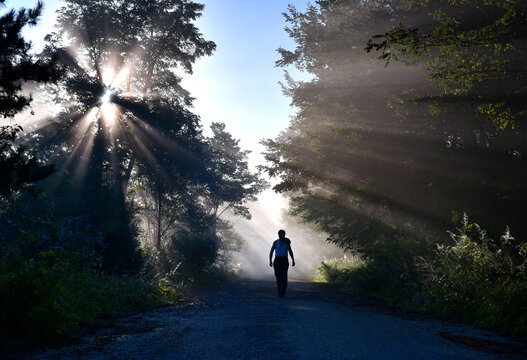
(281, 263)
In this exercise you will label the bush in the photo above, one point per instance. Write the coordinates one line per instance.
(364, 275)
(51, 282)
(48, 297)
(473, 278)
(480, 280)
(343, 272)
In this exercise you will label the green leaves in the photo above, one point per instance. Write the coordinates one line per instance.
(468, 49)
(400, 41)
(479, 279)
(498, 113)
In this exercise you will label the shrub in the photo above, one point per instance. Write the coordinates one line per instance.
(51, 281)
(473, 278)
(479, 279)
(363, 275)
(49, 297)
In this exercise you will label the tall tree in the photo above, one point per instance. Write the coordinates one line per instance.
(369, 161)
(233, 183)
(124, 107)
(18, 168)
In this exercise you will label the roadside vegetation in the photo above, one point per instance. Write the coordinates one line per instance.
(51, 282)
(111, 197)
(413, 113)
(471, 278)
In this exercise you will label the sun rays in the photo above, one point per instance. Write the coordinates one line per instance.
(105, 118)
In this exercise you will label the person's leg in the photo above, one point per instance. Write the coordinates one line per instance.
(276, 266)
(282, 275)
(279, 273)
(284, 282)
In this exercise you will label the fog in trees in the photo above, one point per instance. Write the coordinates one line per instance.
(403, 128)
(412, 124)
(120, 179)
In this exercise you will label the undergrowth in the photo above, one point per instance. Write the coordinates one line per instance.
(470, 278)
(42, 302)
(51, 283)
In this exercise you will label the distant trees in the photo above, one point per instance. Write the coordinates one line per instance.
(379, 156)
(183, 217)
(234, 184)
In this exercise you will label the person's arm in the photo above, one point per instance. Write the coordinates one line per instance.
(271, 254)
(291, 253)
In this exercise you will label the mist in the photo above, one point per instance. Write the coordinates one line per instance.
(270, 214)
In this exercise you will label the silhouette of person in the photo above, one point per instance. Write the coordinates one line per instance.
(281, 263)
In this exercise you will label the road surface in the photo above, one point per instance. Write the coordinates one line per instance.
(249, 321)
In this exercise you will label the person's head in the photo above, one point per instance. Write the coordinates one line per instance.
(281, 234)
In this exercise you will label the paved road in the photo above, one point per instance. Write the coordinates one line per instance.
(249, 321)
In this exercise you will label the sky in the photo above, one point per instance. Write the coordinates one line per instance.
(237, 85)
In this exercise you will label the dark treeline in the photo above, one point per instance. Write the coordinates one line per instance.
(413, 117)
(130, 191)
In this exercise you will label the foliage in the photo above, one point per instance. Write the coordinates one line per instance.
(70, 265)
(386, 180)
(377, 154)
(17, 65)
(479, 279)
(48, 298)
(229, 241)
(464, 44)
(149, 161)
(182, 211)
(134, 51)
(343, 272)
(473, 279)
(394, 282)
(152, 134)
(233, 184)
(150, 39)
(382, 158)
(18, 169)
(197, 250)
(51, 280)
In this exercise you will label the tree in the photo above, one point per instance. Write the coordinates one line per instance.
(18, 169)
(124, 108)
(129, 126)
(377, 167)
(133, 56)
(336, 161)
(182, 211)
(233, 183)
